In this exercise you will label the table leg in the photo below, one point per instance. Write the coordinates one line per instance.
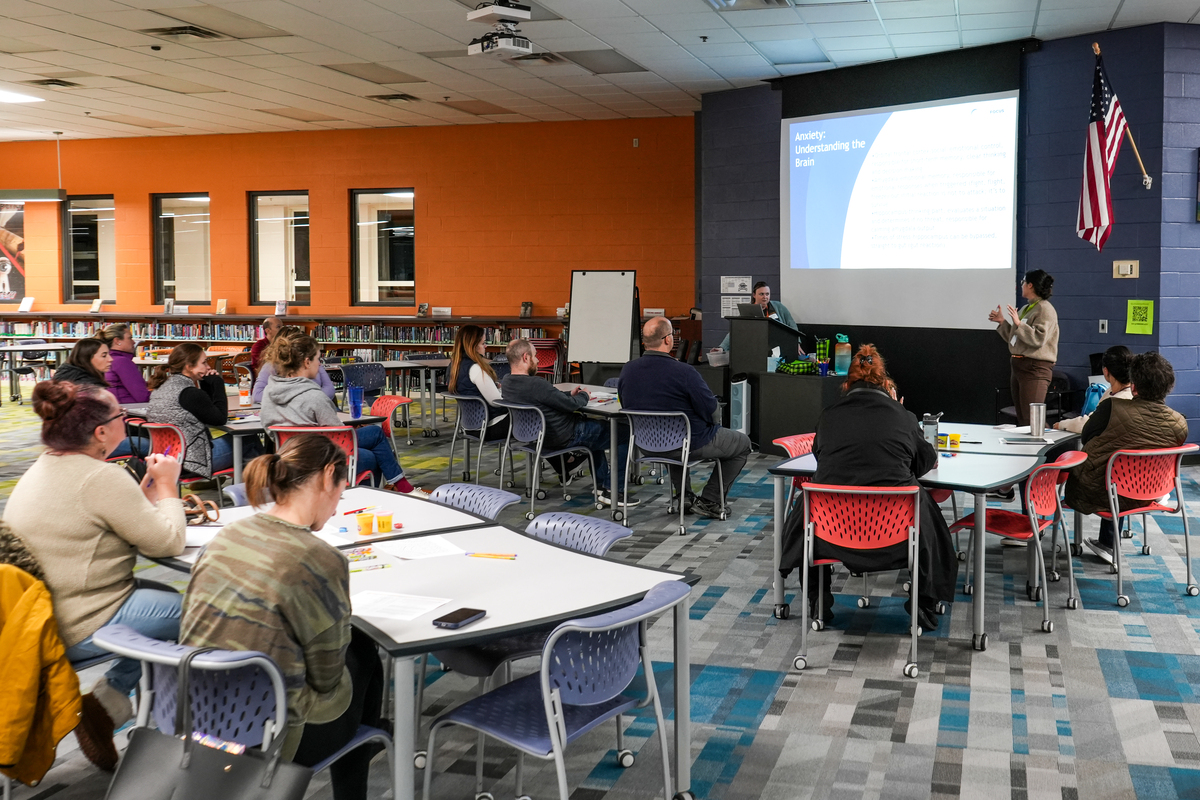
(1078, 549)
(14, 384)
(781, 607)
(237, 458)
(979, 640)
(683, 699)
(612, 473)
(403, 749)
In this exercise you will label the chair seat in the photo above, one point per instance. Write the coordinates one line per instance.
(1009, 524)
(514, 714)
(480, 661)
(221, 473)
(1152, 507)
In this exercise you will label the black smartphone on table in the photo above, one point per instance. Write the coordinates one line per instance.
(459, 618)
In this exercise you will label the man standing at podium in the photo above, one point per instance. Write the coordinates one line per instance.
(657, 382)
(772, 309)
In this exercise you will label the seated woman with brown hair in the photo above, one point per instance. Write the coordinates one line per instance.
(868, 439)
(472, 375)
(266, 583)
(87, 363)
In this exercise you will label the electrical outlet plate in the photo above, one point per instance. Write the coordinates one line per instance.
(1126, 269)
(1104, 326)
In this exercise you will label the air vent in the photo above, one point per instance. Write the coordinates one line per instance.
(53, 83)
(540, 59)
(186, 33)
(753, 5)
(397, 99)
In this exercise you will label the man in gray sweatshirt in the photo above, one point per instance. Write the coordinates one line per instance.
(564, 426)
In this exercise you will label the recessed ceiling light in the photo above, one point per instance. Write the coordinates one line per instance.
(14, 97)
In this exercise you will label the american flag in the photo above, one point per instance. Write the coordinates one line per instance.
(1106, 127)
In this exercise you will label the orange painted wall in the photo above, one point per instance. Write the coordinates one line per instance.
(503, 212)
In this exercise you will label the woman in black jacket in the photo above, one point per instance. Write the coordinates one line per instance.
(868, 439)
(87, 363)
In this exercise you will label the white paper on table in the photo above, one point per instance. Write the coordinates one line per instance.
(602, 395)
(201, 535)
(1008, 426)
(421, 547)
(246, 418)
(393, 606)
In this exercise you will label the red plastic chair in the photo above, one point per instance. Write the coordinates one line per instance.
(796, 445)
(1146, 475)
(1044, 510)
(341, 435)
(164, 436)
(385, 406)
(549, 357)
(862, 518)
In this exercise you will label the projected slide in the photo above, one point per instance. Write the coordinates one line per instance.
(929, 187)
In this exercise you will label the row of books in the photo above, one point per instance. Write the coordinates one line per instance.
(416, 334)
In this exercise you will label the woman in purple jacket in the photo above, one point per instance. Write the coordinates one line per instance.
(124, 378)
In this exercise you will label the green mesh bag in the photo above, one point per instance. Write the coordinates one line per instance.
(797, 367)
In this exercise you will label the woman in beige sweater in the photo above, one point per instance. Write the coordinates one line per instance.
(85, 521)
(1032, 336)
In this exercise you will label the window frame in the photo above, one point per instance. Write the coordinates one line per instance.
(67, 248)
(252, 217)
(160, 294)
(354, 265)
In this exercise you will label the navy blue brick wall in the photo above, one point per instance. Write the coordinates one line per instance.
(738, 195)
(1056, 84)
(1179, 280)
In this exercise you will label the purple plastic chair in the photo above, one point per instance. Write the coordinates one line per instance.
(659, 434)
(485, 501)
(472, 421)
(526, 435)
(586, 665)
(237, 695)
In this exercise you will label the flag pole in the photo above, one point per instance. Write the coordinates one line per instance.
(1147, 181)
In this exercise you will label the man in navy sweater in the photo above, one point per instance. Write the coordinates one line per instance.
(657, 382)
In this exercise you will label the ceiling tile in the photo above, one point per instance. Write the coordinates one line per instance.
(921, 25)
(1010, 19)
(831, 43)
(707, 51)
(855, 12)
(916, 8)
(940, 40)
(672, 23)
(588, 9)
(866, 28)
(758, 18)
(996, 6)
(775, 32)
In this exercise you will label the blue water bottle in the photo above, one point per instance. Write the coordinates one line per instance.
(841, 355)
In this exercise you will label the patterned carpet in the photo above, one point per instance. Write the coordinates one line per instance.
(1108, 705)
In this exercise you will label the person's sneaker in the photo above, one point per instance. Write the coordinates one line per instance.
(927, 618)
(1105, 553)
(1003, 495)
(1009, 542)
(607, 495)
(707, 508)
(689, 503)
(421, 493)
(575, 464)
(95, 734)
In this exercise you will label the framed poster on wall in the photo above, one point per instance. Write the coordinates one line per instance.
(12, 252)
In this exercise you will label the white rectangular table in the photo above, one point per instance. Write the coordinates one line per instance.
(988, 439)
(13, 350)
(974, 473)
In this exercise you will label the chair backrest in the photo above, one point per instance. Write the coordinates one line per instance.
(472, 412)
(1146, 474)
(341, 435)
(486, 501)
(163, 436)
(236, 695)
(370, 376)
(592, 660)
(237, 494)
(590, 535)
(528, 422)
(798, 444)
(659, 431)
(862, 517)
(612, 383)
(385, 406)
(34, 355)
(1041, 490)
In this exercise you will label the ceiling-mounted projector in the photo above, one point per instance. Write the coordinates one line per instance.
(503, 40)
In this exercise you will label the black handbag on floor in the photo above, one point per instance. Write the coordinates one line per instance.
(161, 767)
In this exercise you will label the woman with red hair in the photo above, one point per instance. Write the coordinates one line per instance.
(868, 439)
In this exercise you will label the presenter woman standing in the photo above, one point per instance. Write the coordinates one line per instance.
(1032, 336)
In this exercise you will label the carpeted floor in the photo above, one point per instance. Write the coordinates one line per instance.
(1108, 705)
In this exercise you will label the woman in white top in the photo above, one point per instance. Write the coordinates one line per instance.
(1116, 372)
(472, 375)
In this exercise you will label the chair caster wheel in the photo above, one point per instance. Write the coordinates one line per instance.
(424, 434)
(1146, 550)
(910, 670)
(980, 641)
(434, 433)
(799, 663)
(524, 797)
(495, 472)
(510, 484)
(1193, 590)
(410, 442)
(618, 516)
(466, 477)
(625, 759)
(1048, 625)
(864, 602)
(1112, 569)
(1122, 600)
(783, 611)
(419, 759)
(683, 530)
(940, 608)
(484, 796)
(908, 586)
(969, 590)
(684, 796)
(541, 494)
(818, 625)
(1054, 576)
(529, 515)
(1126, 534)
(641, 480)
(1036, 594)
(1072, 603)
(1076, 550)
(962, 556)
